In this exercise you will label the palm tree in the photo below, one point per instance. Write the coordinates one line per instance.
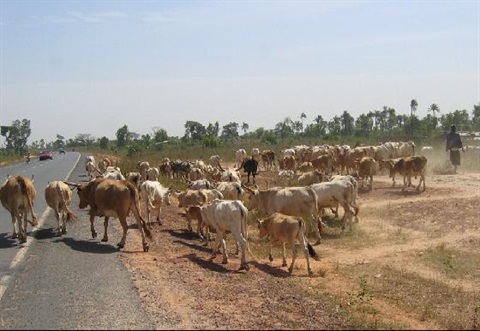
(413, 107)
(434, 109)
(302, 117)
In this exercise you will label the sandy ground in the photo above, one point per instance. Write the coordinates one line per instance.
(177, 278)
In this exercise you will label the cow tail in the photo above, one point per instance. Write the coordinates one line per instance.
(311, 251)
(136, 211)
(244, 215)
(28, 193)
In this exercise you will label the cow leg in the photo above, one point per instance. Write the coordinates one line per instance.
(123, 223)
(315, 224)
(59, 222)
(158, 216)
(92, 228)
(23, 228)
(284, 254)
(294, 255)
(105, 229)
(270, 255)
(239, 239)
(303, 245)
(15, 226)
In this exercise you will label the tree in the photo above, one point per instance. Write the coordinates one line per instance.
(230, 131)
(17, 136)
(59, 143)
(302, 117)
(476, 117)
(285, 128)
(413, 107)
(245, 127)
(347, 123)
(84, 139)
(194, 130)
(159, 135)
(213, 130)
(123, 136)
(363, 125)
(103, 142)
(434, 109)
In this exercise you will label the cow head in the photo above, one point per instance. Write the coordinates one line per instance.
(262, 228)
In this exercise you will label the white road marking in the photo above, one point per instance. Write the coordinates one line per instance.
(19, 257)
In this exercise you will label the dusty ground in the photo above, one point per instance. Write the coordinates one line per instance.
(176, 277)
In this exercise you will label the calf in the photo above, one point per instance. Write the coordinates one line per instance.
(58, 196)
(284, 229)
(190, 198)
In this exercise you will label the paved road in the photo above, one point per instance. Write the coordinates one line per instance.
(69, 282)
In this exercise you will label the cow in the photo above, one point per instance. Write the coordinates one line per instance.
(289, 163)
(91, 169)
(134, 177)
(240, 155)
(103, 164)
(228, 215)
(195, 174)
(268, 159)
(180, 169)
(152, 173)
(17, 195)
(142, 167)
(280, 228)
(58, 196)
(249, 166)
(112, 198)
(230, 190)
(331, 194)
(166, 169)
(155, 196)
(367, 167)
(212, 194)
(305, 167)
(255, 153)
(199, 184)
(190, 198)
(214, 161)
(311, 177)
(299, 201)
(411, 166)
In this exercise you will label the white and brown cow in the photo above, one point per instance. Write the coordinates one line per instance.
(58, 196)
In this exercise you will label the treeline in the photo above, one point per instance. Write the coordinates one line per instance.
(370, 128)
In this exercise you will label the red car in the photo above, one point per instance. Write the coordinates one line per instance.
(45, 155)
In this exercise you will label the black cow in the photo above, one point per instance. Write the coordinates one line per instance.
(249, 166)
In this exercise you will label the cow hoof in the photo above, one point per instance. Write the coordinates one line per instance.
(145, 247)
(245, 267)
(284, 265)
(104, 239)
(317, 242)
(224, 261)
(120, 245)
(15, 236)
(94, 235)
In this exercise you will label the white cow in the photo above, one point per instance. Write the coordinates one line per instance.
(155, 195)
(228, 215)
(240, 155)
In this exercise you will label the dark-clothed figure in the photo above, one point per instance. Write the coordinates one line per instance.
(454, 144)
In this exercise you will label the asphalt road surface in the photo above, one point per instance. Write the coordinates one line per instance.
(69, 282)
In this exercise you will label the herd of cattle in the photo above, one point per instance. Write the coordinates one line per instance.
(328, 176)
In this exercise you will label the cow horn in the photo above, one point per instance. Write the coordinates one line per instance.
(72, 184)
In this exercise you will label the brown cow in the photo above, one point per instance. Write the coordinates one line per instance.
(17, 195)
(284, 229)
(411, 166)
(268, 159)
(58, 196)
(113, 198)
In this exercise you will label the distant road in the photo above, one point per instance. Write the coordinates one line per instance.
(69, 282)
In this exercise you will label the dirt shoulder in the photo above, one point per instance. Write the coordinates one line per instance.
(363, 279)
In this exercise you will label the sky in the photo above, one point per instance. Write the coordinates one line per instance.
(91, 67)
